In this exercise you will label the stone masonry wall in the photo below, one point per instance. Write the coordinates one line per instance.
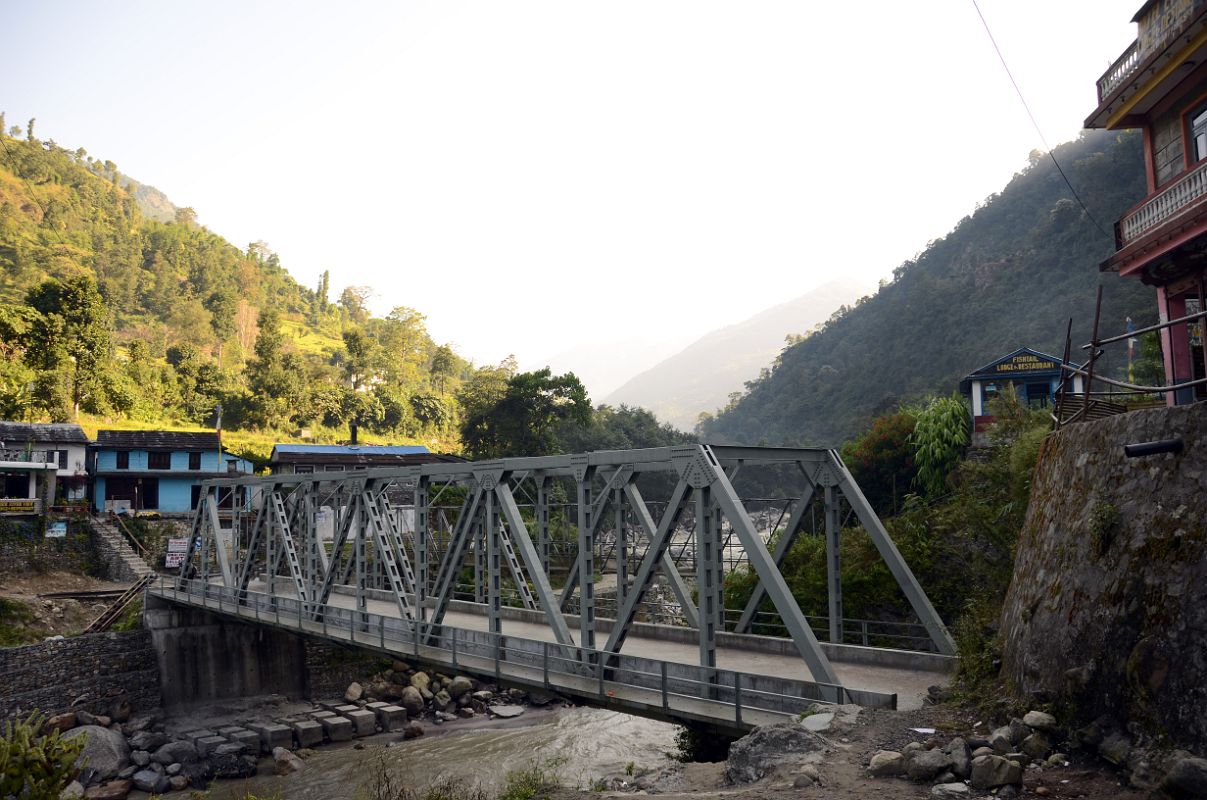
(330, 668)
(89, 672)
(23, 547)
(1107, 610)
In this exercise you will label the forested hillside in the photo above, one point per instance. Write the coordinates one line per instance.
(113, 312)
(1010, 275)
(117, 309)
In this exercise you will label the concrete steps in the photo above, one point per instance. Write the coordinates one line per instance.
(125, 563)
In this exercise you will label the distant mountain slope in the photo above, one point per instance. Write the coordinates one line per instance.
(603, 366)
(1010, 275)
(703, 375)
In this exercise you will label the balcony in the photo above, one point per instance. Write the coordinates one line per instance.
(1123, 67)
(1172, 202)
(39, 457)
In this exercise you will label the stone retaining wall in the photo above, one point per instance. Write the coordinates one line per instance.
(1107, 610)
(23, 547)
(97, 670)
(330, 668)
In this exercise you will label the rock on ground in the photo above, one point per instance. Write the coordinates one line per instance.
(1186, 779)
(104, 750)
(285, 762)
(355, 692)
(950, 791)
(763, 749)
(925, 765)
(992, 771)
(113, 790)
(506, 712)
(886, 764)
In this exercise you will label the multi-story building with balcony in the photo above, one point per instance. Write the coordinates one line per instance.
(1159, 85)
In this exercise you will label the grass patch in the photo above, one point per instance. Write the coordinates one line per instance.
(14, 616)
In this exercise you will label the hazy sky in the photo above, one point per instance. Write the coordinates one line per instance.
(538, 175)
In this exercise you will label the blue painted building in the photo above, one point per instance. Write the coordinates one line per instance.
(1032, 375)
(158, 470)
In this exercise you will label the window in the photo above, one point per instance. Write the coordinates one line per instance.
(1198, 133)
(194, 460)
(62, 459)
(123, 459)
(159, 460)
(303, 469)
(334, 468)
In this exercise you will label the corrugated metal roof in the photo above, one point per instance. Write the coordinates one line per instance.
(157, 440)
(14, 432)
(351, 449)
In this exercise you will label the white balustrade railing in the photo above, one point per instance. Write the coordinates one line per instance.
(1124, 66)
(1187, 192)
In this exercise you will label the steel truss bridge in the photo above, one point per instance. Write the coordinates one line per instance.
(433, 561)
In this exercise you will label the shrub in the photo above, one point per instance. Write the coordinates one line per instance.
(36, 765)
(938, 440)
(882, 461)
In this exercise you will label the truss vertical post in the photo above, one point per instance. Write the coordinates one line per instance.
(704, 462)
(892, 558)
(542, 521)
(622, 546)
(480, 568)
(422, 517)
(584, 476)
(706, 576)
(719, 545)
(362, 600)
(834, 562)
(494, 567)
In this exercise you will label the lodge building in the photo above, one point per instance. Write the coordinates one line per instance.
(1159, 85)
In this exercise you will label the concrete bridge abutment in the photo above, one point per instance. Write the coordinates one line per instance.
(204, 657)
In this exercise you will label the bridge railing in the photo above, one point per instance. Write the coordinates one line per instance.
(863, 632)
(683, 691)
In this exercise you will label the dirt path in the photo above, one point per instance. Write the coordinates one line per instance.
(843, 769)
(33, 618)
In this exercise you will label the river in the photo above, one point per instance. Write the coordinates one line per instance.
(584, 744)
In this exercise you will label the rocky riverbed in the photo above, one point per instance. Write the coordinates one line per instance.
(154, 753)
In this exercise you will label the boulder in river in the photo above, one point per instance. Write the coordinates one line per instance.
(105, 750)
(763, 749)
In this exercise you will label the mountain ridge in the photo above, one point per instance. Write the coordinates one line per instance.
(701, 377)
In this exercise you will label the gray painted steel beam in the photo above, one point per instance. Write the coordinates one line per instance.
(892, 557)
(834, 562)
(667, 565)
(653, 558)
(544, 591)
(798, 628)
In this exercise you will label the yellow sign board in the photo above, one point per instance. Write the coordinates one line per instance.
(19, 506)
(1025, 363)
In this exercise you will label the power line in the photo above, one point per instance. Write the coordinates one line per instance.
(1035, 124)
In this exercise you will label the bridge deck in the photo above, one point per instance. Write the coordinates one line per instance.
(909, 685)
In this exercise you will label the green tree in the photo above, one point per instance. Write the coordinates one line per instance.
(524, 420)
(71, 338)
(882, 461)
(275, 379)
(360, 358)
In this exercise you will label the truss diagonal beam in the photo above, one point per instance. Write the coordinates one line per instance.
(782, 546)
(645, 573)
(892, 558)
(677, 584)
(463, 531)
(385, 552)
(764, 565)
(532, 560)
